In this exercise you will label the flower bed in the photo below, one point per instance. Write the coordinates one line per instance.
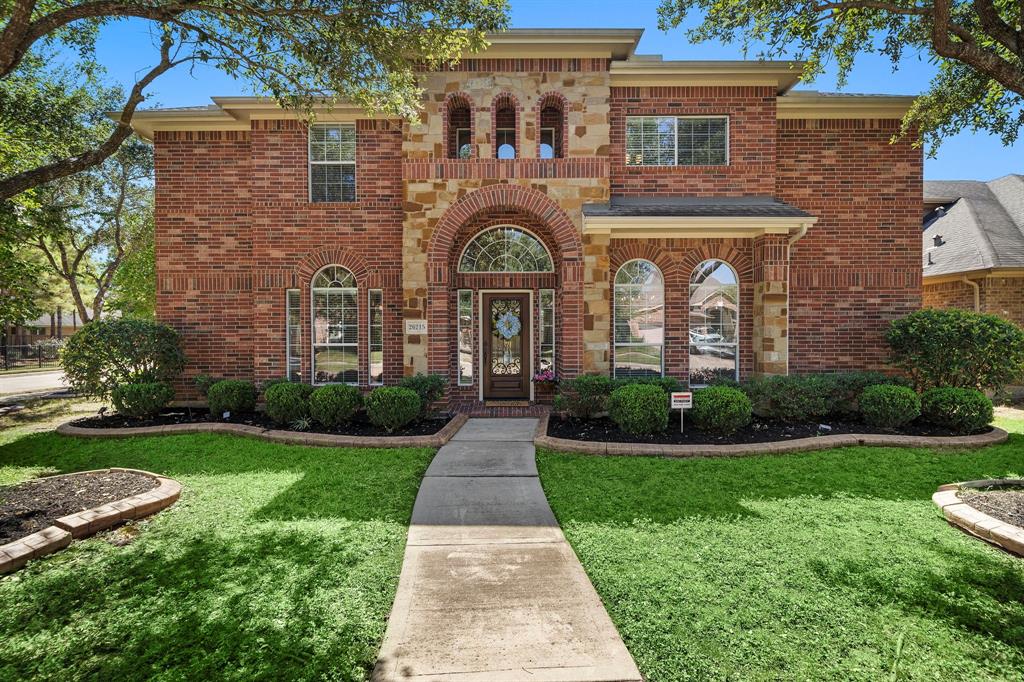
(991, 510)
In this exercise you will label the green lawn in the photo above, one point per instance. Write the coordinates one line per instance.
(278, 562)
(827, 565)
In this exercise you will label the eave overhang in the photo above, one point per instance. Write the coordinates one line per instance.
(702, 227)
(812, 105)
(611, 43)
(653, 72)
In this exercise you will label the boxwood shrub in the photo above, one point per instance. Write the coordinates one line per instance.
(141, 400)
(889, 406)
(231, 395)
(639, 409)
(794, 399)
(964, 410)
(334, 405)
(392, 407)
(585, 396)
(666, 384)
(287, 402)
(429, 387)
(720, 410)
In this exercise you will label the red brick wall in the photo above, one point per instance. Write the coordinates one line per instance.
(1002, 296)
(751, 169)
(948, 295)
(860, 266)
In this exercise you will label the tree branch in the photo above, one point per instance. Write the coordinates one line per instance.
(993, 24)
(967, 52)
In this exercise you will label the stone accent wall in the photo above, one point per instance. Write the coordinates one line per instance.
(770, 311)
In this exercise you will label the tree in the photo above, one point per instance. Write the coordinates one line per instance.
(299, 51)
(978, 47)
(134, 288)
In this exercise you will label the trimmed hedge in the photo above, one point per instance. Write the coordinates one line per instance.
(141, 400)
(231, 395)
(639, 409)
(392, 407)
(585, 396)
(335, 404)
(964, 410)
(429, 387)
(721, 410)
(287, 402)
(889, 407)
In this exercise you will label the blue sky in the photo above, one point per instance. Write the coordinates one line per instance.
(127, 48)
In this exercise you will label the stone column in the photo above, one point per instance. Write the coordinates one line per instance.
(771, 305)
(597, 309)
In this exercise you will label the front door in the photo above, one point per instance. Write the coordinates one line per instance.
(506, 346)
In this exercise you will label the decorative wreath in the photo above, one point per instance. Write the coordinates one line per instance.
(508, 325)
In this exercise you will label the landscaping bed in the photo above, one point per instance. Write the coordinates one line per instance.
(359, 426)
(1004, 504)
(31, 506)
(604, 430)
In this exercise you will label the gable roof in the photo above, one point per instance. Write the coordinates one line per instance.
(981, 225)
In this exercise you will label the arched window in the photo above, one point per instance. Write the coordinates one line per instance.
(505, 125)
(552, 127)
(639, 331)
(459, 135)
(505, 249)
(335, 326)
(714, 323)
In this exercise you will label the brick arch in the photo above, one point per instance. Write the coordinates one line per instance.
(559, 100)
(528, 200)
(450, 100)
(739, 261)
(641, 250)
(501, 99)
(339, 255)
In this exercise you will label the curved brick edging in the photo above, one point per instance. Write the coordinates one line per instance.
(435, 440)
(996, 435)
(977, 523)
(82, 524)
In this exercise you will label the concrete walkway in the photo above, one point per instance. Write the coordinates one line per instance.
(28, 383)
(490, 589)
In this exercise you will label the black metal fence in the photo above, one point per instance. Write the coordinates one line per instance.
(36, 356)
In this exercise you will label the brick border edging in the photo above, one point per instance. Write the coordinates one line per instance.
(16, 554)
(977, 523)
(435, 440)
(541, 439)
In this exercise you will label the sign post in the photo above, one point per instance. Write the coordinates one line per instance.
(682, 401)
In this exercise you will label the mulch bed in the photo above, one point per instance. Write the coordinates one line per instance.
(31, 506)
(1005, 504)
(198, 415)
(604, 430)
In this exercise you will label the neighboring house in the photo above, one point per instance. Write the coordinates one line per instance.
(562, 202)
(973, 246)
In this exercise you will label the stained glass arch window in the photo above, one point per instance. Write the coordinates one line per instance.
(639, 332)
(506, 249)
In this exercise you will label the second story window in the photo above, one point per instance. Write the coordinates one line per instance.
(552, 127)
(505, 146)
(677, 141)
(460, 128)
(332, 163)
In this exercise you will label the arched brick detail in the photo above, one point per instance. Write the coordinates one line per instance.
(333, 256)
(452, 99)
(642, 250)
(502, 99)
(559, 100)
(739, 260)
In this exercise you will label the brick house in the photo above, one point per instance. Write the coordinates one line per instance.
(562, 203)
(973, 246)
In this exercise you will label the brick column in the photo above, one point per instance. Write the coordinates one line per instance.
(771, 305)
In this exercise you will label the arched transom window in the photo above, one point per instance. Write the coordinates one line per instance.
(639, 320)
(714, 323)
(335, 326)
(505, 249)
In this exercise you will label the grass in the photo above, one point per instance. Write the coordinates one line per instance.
(278, 562)
(826, 565)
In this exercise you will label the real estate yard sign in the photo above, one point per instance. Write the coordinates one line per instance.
(682, 401)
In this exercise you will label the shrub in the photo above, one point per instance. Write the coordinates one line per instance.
(720, 410)
(429, 387)
(266, 384)
(849, 385)
(639, 409)
(106, 354)
(287, 402)
(231, 395)
(392, 407)
(889, 406)
(957, 348)
(584, 396)
(793, 399)
(335, 405)
(203, 383)
(964, 410)
(666, 384)
(141, 400)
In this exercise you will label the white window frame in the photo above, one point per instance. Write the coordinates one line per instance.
(675, 142)
(288, 294)
(458, 336)
(312, 330)
(469, 143)
(462, 254)
(554, 144)
(554, 327)
(369, 336)
(310, 163)
(664, 318)
(736, 346)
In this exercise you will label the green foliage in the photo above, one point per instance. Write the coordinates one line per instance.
(134, 288)
(957, 348)
(584, 396)
(639, 409)
(980, 80)
(847, 387)
(392, 407)
(720, 410)
(231, 395)
(334, 405)
(889, 406)
(141, 400)
(429, 387)
(19, 284)
(105, 354)
(287, 402)
(203, 383)
(666, 384)
(795, 399)
(964, 410)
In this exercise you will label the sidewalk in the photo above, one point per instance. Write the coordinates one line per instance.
(490, 589)
(32, 382)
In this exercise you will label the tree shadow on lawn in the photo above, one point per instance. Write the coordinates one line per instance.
(588, 489)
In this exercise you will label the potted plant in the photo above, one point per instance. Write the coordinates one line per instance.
(545, 378)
